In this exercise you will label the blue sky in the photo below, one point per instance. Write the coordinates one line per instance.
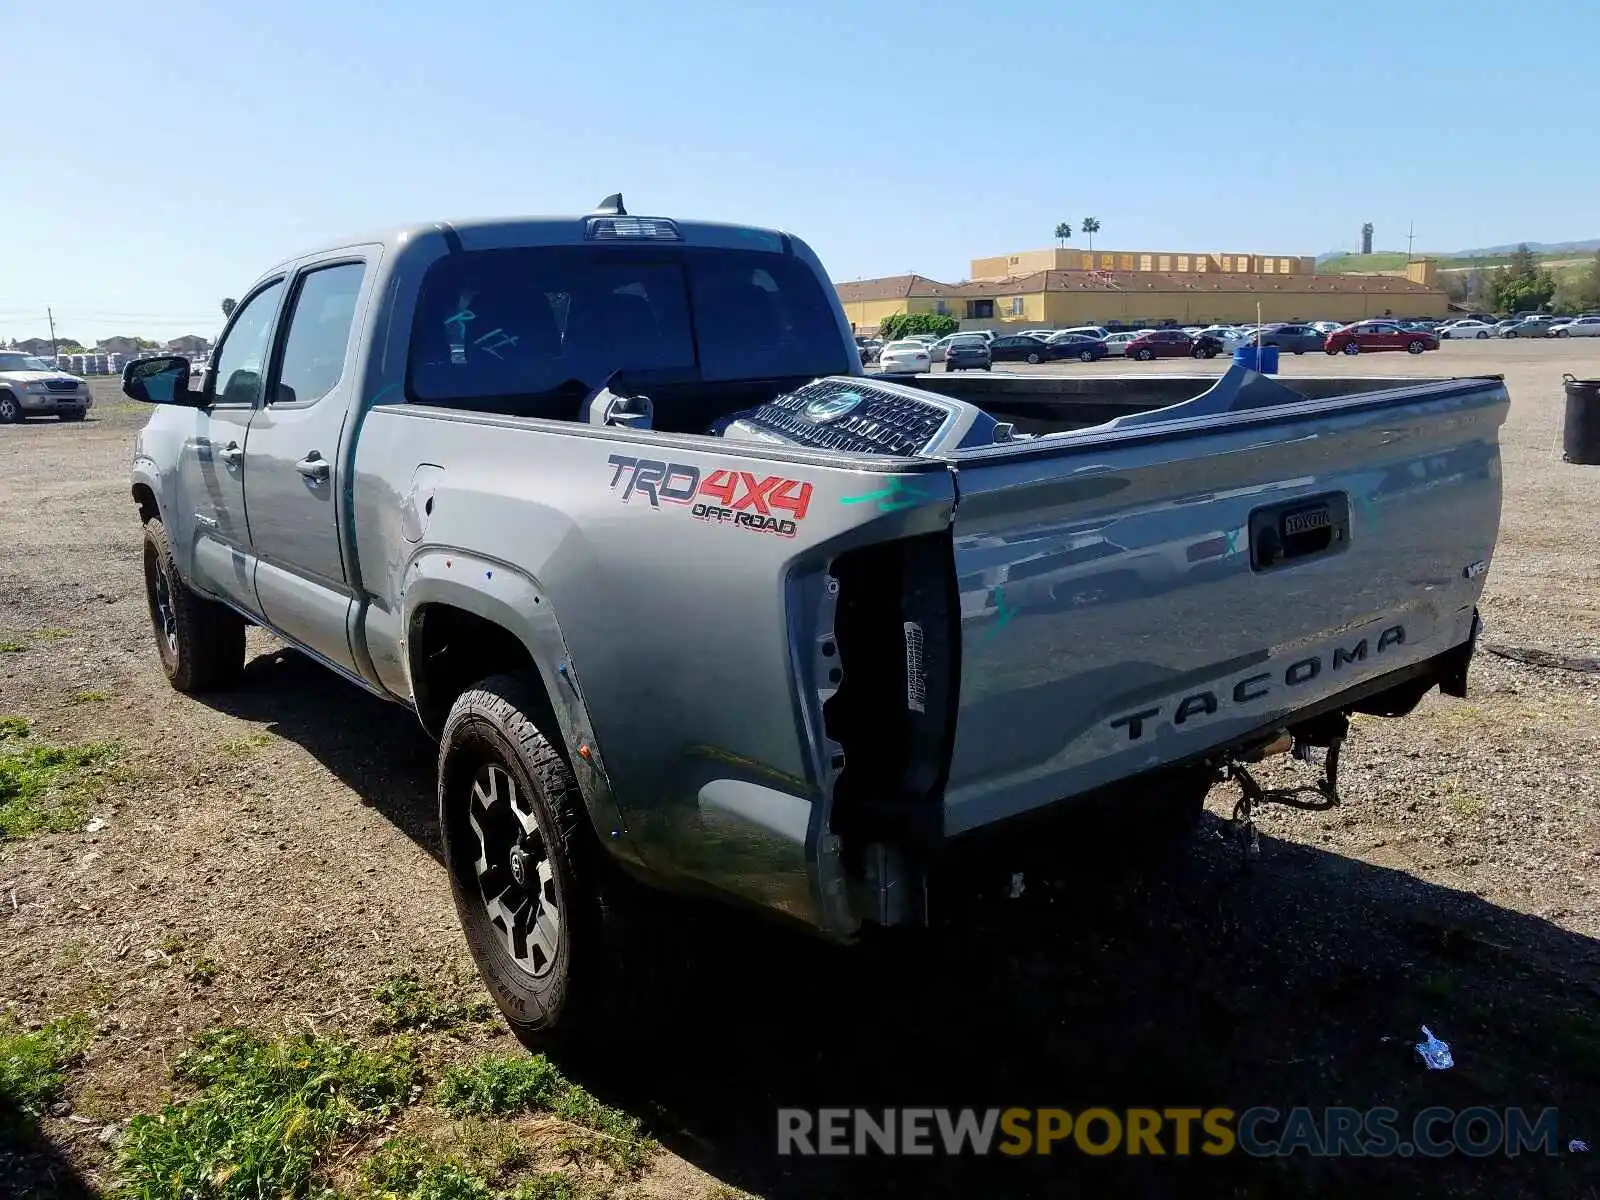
(158, 157)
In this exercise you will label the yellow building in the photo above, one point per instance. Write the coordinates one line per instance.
(1026, 262)
(1059, 298)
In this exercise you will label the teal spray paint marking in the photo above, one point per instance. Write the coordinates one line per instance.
(899, 494)
(460, 320)
(1004, 611)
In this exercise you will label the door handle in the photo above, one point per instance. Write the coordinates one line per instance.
(231, 454)
(314, 467)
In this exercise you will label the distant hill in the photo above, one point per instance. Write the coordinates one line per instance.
(1393, 260)
(1541, 248)
(1381, 260)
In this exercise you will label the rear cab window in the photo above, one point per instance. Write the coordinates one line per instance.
(554, 323)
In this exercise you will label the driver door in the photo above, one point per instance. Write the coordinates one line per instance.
(211, 465)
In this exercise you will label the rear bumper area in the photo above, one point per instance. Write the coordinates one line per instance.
(1039, 831)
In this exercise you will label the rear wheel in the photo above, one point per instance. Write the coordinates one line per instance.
(1033, 357)
(1482, 334)
(201, 642)
(1416, 346)
(10, 410)
(562, 939)
(1085, 356)
(1561, 333)
(1144, 355)
(1510, 333)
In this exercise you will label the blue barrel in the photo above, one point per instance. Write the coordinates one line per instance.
(1246, 356)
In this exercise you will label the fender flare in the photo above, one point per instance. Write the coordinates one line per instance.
(505, 595)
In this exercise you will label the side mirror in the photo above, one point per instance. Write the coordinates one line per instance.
(163, 380)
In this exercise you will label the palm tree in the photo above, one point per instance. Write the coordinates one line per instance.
(1090, 226)
(1063, 232)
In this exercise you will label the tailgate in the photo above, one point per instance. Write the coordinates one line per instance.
(1132, 597)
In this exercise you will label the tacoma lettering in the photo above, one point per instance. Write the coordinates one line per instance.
(1257, 687)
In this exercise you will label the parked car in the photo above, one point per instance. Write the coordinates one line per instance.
(1043, 335)
(909, 356)
(1099, 332)
(1172, 343)
(1022, 347)
(31, 387)
(967, 352)
(1326, 327)
(1466, 329)
(1117, 343)
(1079, 346)
(1296, 339)
(1577, 327)
(869, 348)
(1231, 336)
(491, 528)
(1367, 336)
(1529, 327)
(937, 350)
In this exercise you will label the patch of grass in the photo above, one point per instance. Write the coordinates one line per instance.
(90, 697)
(250, 743)
(12, 647)
(408, 1004)
(50, 635)
(33, 1064)
(203, 971)
(548, 1185)
(39, 782)
(407, 1168)
(265, 1114)
(500, 1084)
(1461, 801)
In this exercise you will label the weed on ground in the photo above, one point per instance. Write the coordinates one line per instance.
(34, 1064)
(41, 784)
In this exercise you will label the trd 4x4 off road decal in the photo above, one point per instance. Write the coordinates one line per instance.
(771, 504)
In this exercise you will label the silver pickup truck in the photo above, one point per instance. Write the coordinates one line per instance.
(691, 602)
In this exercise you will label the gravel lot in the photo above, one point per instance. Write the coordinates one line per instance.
(285, 833)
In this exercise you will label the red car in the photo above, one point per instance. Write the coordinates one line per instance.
(1173, 343)
(1365, 336)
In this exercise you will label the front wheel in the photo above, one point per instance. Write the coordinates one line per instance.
(1416, 347)
(1033, 357)
(1561, 333)
(1510, 333)
(1482, 335)
(1353, 348)
(1085, 356)
(201, 642)
(10, 410)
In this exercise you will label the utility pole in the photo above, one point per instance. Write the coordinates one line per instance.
(51, 317)
(1411, 236)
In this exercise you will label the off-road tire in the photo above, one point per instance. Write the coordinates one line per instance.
(619, 947)
(201, 642)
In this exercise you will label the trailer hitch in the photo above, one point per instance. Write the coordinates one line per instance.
(1318, 796)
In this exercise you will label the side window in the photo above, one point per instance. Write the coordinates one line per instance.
(238, 375)
(319, 330)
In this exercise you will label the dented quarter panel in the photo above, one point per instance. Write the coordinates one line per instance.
(692, 638)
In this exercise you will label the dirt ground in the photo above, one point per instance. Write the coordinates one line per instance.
(285, 832)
